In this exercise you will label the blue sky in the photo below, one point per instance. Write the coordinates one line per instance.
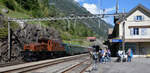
(109, 6)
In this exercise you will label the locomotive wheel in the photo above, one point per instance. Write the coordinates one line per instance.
(52, 55)
(27, 56)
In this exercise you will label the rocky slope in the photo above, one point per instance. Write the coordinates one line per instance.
(28, 33)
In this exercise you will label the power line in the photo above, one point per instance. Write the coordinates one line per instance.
(62, 18)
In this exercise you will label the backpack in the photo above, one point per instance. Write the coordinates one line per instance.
(95, 57)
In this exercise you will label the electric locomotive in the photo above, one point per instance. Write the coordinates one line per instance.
(43, 49)
(46, 49)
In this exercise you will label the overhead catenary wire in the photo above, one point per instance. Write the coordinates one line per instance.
(60, 18)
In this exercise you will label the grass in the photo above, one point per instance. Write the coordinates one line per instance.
(81, 42)
(3, 32)
(13, 14)
(72, 42)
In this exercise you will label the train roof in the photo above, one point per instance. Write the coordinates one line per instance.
(46, 39)
(74, 45)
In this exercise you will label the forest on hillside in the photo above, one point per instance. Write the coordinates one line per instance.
(57, 8)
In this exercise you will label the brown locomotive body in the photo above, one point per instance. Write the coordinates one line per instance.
(50, 45)
(43, 49)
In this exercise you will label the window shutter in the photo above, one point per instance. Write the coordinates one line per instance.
(131, 31)
(142, 17)
(143, 31)
(134, 18)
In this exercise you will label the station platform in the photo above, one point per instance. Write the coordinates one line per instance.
(25, 65)
(138, 65)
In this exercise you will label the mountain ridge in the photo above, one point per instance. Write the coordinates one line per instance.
(77, 10)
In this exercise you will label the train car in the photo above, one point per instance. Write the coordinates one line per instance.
(46, 49)
(75, 49)
(43, 49)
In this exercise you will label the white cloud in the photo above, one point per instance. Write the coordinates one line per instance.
(95, 10)
(109, 9)
(91, 8)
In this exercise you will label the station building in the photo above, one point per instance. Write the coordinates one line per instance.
(136, 27)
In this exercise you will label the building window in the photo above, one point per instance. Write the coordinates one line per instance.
(134, 31)
(143, 31)
(138, 18)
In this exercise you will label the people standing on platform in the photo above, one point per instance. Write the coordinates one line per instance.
(90, 52)
(100, 56)
(104, 56)
(95, 58)
(120, 55)
(108, 55)
(130, 54)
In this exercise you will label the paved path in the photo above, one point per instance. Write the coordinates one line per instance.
(138, 65)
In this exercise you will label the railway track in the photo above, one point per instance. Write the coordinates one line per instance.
(33, 67)
(79, 68)
(11, 64)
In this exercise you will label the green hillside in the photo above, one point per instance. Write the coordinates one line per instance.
(41, 8)
(71, 7)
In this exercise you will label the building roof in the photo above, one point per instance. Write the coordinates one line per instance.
(139, 7)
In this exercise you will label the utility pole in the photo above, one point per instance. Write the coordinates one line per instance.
(9, 45)
(117, 7)
(99, 21)
(123, 38)
(68, 23)
(75, 22)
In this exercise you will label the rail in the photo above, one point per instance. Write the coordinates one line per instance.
(79, 68)
(37, 65)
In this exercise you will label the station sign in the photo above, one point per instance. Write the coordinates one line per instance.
(116, 40)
